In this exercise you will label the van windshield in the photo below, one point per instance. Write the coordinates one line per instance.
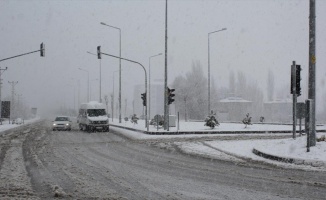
(96, 112)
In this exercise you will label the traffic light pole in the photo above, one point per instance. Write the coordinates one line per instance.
(19, 55)
(146, 123)
(166, 106)
(42, 50)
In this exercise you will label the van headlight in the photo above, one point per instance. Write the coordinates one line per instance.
(54, 124)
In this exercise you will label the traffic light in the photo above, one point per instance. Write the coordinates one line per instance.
(99, 52)
(298, 79)
(143, 97)
(42, 50)
(170, 96)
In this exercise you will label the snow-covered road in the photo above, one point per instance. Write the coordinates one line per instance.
(37, 163)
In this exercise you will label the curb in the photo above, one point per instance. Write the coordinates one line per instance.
(296, 161)
(204, 132)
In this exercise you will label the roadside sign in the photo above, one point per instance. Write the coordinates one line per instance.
(301, 110)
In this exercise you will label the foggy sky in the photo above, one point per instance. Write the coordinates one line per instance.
(260, 35)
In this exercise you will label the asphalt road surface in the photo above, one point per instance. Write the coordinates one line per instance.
(38, 163)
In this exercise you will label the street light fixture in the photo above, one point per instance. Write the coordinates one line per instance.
(87, 82)
(149, 85)
(100, 100)
(102, 23)
(209, 73)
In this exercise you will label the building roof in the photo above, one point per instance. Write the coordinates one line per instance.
(234, 100)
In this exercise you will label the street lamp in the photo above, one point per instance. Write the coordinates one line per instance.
(113, 93)
(149, 85)
(100, 100)
(87, 82)
(102, 23)
(209, 73)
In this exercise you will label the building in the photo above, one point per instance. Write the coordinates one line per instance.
(278, 110)
(233, 109)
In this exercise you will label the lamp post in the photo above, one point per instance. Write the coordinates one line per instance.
(113, 93)
(100, 99)
(102, 23)
(87, 82)
(209, 73)
(149, 85)
(146, 115)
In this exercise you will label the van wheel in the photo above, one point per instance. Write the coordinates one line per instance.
(80, 127)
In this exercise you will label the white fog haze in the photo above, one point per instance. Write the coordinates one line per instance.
(261, 36)
(163, 99)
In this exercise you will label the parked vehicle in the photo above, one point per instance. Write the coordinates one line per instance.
(92, 116)
(61, 123)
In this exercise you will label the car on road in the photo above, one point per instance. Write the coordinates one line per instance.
(61, 123)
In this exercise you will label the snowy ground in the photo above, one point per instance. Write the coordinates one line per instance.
(242, 145)
(6, 125)
(38, 163)
(199, 126)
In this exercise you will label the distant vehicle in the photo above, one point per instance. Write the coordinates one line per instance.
(92, 116)
(61, 123)
(19, 121)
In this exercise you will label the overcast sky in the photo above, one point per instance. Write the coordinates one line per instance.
(260, 35)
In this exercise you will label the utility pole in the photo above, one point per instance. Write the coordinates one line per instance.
(166, 109)
(78, 94)
(1, 71)
(125, 107)
(18, 110)
(112, 105)
(185, 99)
(13, 84)
(312, 69)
